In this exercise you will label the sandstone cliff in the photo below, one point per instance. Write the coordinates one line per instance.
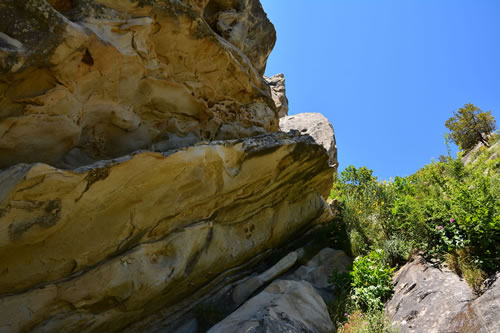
(113, 76)
(142, 170)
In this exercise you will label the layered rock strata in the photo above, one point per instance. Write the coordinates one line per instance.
(101, 246)
(98, 79)
(140, 165)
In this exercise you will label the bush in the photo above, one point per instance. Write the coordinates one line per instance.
(371, 281)
(362, 202)
(443, 208)
(362, 292)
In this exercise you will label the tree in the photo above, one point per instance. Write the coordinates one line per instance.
(469, 126)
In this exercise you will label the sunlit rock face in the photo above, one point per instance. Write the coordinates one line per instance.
(84, 80)
(100, 247)
(141, 167)
(278, 92)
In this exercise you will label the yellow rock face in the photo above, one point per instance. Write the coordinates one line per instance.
(86, 80)
(138, 174)
(102, 246)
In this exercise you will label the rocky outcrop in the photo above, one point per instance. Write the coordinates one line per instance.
(98, 79)
(482, 314)
(317, 126)
(102, 246)
(278, 92)
(141, 167)
(317, 271)
(284, 306)
(427, 299)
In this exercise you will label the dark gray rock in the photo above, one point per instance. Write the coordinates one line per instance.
(481, 315)
(426, 298)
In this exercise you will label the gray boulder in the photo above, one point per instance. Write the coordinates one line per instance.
(427, 299)
(481, 315)
(317, 126)
(319, 268)
(284, 306)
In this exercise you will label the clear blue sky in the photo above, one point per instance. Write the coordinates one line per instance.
(387, 73)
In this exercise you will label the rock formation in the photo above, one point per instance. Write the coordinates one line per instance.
(142, 170)
(97, 79)
(426, 299)
(284, 306)
(278, 92)
(293, 303)
(482, 314)
(317, 126)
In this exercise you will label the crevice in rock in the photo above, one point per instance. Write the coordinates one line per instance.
(87, 58)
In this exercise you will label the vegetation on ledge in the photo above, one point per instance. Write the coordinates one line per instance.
(448, 210)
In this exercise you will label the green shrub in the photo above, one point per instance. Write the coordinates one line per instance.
(443, 208)
(362, 202)
(371, 281)
(397, 251)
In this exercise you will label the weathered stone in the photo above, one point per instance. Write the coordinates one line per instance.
(427, 299)
(278, 91)
(481, 315)
(245, 25)
(319, 268)
(244, 290)
(317, 126)
(93, 79)
(283, 307)
(97, 248)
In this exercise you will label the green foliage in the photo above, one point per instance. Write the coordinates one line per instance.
(371, 281)
(361, 203)
(397, 251)
(469, 126)
(448, 206)
(362, 292)
(443, 208)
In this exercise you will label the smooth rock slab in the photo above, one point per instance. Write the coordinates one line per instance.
(283, 307)
(427, 299)
(481, 315)
(317, 270)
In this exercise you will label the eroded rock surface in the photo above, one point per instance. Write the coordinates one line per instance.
(481, 315)
(284, 306)
(278, 92)
(97, 248)
(87, 80)
(317, 270)
(317, 126)
(427, 299)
